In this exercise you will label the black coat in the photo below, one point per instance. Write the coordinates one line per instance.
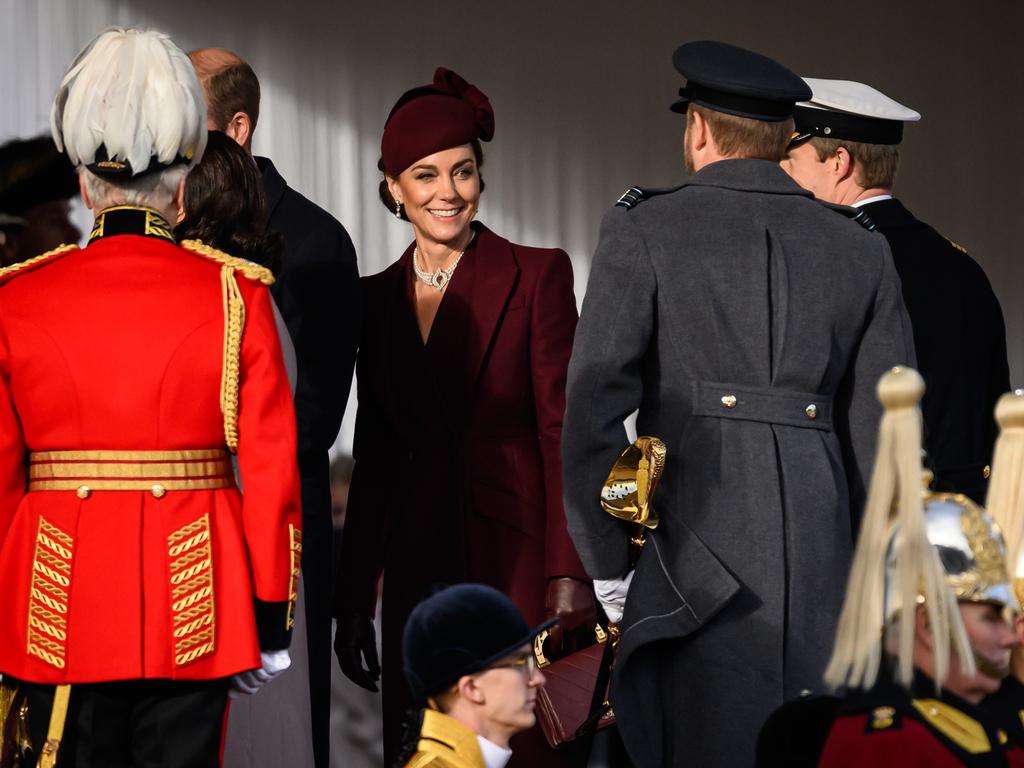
(317, 292)
(961, 346)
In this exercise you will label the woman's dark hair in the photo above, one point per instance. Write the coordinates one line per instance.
(225, 206)
(389, 201)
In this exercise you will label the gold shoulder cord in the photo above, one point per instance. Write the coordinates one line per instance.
(48, 755)
(249, 269)
(15, 268)
(234, 323)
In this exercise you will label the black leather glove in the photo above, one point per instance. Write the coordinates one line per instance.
(572, 601)
(354, 642)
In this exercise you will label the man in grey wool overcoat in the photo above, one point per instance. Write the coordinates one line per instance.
(748, 324)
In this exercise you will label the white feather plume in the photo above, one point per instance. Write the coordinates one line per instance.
(135, 93)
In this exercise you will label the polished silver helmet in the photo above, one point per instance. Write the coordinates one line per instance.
(970, 547)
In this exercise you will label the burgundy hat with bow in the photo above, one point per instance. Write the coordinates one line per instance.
(447, 113)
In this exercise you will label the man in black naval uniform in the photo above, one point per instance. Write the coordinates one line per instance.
(318, 295)
(846, 150)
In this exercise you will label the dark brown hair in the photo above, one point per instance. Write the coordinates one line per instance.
(385, 194)
(230, 90)
(745, 137)
(225, 206)
(874, 165)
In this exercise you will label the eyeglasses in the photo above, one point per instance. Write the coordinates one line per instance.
(527, 663)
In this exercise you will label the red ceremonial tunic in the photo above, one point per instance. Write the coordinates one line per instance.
(850, 744)
(126, 551)
(889, 727)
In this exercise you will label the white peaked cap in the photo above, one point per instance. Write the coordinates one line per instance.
(845, 110)
(130, 103)
(856, 99)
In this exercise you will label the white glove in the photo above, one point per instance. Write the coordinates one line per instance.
(250, 681)
(611, 593)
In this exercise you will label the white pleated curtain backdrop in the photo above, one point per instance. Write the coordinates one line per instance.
(580, 91)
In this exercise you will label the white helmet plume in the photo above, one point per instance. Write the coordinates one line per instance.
(130, 100)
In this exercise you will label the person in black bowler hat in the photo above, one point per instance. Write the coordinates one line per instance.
(746, 323)
(846, 149)
(470, 665)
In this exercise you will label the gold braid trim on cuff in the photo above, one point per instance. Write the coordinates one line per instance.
(234, 323)
(249, 269)
(295, 552)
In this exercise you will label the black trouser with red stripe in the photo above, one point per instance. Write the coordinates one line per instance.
(134, 723)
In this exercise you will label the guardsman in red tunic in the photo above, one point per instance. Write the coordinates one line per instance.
(1006, 505)
(133, 372)
(925, 633)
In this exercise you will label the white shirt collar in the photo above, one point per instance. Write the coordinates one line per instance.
(874, 199)
(494, 756)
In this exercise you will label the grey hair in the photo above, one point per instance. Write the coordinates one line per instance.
(154, 190)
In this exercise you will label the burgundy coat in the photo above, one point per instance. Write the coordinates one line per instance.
(457, 443)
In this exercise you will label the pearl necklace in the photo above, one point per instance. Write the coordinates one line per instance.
(440, 276)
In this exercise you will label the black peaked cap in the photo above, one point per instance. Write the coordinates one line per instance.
(733, 80)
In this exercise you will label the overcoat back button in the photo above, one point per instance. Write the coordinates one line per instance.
(158, 491)
(728, 401)
(811, 411)
(83, 492)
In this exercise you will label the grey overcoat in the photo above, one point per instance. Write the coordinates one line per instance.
(737, 289)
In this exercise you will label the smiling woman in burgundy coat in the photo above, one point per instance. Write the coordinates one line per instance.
(461, 384)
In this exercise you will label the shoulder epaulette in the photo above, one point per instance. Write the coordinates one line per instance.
(635, 195)
(23, 267)
(957, 726)
(854, 214)
(245, 267)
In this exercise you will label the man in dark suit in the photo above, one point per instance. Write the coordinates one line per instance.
(846, 150)
(317, 293)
